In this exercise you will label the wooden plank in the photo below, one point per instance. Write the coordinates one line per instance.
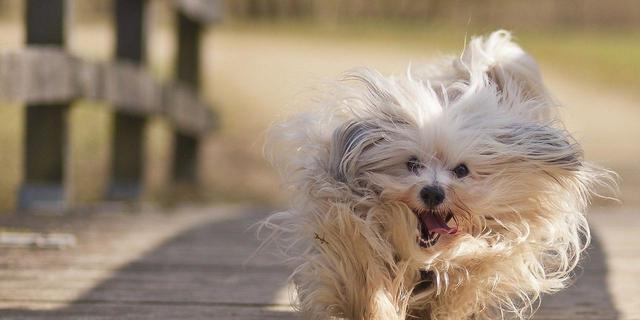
(45, 143)
(44, 155)
(104, 310)
(232, 285)
(196, 272)
(128, 142)
(130, 38)
(26, 76)
(186, 111)
(185, 158)
(201, 11)
(189, 265)
(127, 157)
(90, 79)
(188, 56)
(130, 89)
(45, 22)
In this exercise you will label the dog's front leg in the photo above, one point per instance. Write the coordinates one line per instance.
(347, 273)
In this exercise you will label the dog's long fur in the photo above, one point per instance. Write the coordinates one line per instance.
(351, 230)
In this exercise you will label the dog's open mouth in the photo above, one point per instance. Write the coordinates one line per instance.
(431, 225)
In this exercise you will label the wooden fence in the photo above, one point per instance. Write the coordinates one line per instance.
(44, 80)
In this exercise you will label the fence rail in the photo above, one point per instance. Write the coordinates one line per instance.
(51, 75)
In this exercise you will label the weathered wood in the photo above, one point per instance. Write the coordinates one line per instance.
(188, 64)
(127, 159)
(45, 143)
(130, 89)
(45, 22)
(201, 11)
(185, 151)
(185, 158)
(43, 184)
(37, 75)
(26, 76)
(130, 39)
(128, 143)
(125, 311)
(185, 111)
(188, 264)
(194, 265)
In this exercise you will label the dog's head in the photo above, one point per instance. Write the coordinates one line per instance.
(476, 150)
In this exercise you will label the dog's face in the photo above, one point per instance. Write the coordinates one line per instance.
(459, 165)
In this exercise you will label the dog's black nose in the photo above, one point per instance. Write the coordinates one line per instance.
(432, 195)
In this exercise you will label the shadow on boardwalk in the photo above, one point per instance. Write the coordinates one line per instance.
(199, 274)
(589, 297)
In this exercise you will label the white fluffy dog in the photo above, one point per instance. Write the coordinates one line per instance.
(453, 192)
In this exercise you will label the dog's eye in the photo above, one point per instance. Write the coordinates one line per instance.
(461, 171)
(414, 165)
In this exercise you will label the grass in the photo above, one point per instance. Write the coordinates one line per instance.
(11, 140)
(608, 58)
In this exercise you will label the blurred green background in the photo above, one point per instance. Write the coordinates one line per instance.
(261, 62)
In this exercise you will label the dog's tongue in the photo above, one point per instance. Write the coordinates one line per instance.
(435, 224)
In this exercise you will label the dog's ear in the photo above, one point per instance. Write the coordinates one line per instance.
(348, 142)
(499, 60)
(544, 145)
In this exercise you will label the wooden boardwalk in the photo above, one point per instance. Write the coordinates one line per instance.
(190, 264)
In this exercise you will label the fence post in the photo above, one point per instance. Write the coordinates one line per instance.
(188, 63)
(43, 185)
(187, 146)
(45, 22)
(127, 162)
(185, 158)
